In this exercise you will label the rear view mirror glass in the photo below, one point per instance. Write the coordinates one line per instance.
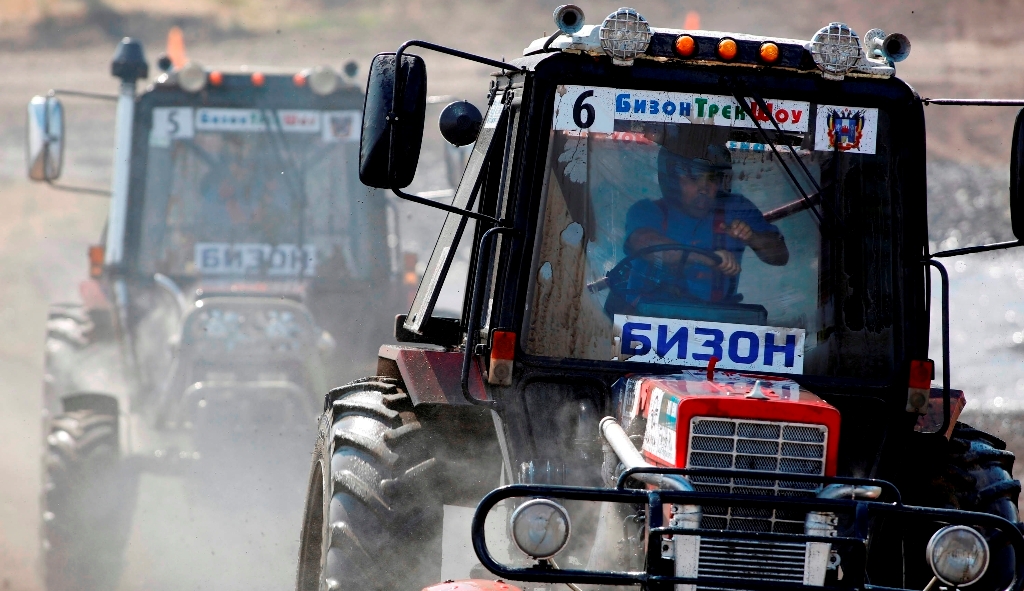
(1016, 180)
(44, 150)
(389, 148)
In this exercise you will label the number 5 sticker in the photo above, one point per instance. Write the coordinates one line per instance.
(579, 108)
(170, 123)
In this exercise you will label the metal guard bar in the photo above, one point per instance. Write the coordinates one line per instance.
(862, 511)
(755, 475)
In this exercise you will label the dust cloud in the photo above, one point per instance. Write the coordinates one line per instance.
(243, 533)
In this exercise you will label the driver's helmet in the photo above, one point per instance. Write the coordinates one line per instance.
(715, 161)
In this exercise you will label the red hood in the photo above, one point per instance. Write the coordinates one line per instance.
(675, 399)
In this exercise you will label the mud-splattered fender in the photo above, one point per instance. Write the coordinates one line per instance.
(430, 377)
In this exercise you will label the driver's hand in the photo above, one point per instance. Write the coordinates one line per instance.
(729, 264)
(740, 230)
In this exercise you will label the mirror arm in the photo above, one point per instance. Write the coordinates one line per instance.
(90, 95)
(73, 189)
(973, 249)
(454, 52)
(974, 102)
(445, 207)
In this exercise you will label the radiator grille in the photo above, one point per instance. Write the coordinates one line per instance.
(767, 561)
(776, 447)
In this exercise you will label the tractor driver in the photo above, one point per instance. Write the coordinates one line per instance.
(697, 210)
(241, 197)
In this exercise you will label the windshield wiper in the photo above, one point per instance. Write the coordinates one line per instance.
(805, 198)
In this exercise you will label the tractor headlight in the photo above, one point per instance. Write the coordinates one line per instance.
(958, 555)
(625, 35)
(192, 77)
(836, 50)
(540, 528)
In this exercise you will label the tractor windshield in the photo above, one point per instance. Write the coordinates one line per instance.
(671, 234)
(226, 195)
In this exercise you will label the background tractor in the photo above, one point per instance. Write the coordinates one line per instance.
(242, 268)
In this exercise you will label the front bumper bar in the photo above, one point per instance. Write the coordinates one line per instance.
(852, 542)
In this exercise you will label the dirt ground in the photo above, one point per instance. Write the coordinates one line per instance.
(968, 48)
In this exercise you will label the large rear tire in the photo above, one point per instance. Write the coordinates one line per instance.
(87, 503)
(373, 512)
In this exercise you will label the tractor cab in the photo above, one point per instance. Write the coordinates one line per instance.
(699, 317)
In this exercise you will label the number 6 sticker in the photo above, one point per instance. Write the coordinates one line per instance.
(578, 108)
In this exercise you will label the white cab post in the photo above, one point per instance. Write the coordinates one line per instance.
(122, 161)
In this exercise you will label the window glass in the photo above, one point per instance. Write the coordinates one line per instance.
(226, 197)
(675, 237)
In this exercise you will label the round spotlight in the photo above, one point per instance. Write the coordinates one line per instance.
(323, 80)
(836, 50)
(258, 79)
(192, 77)
(540, 528)
(958, 555)
(727, 49)
(216, 78)
(299, 79)
(769, 53)
(624, 36)
(685, 45)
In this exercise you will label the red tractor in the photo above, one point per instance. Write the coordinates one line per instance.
(695, 337)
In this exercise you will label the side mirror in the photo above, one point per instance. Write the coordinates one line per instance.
(44, 149)
(1017, 178)
(389, 147)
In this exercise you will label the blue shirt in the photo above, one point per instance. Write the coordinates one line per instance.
(708, 232)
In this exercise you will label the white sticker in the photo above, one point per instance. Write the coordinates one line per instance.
(692, 342)
(170, 123)
(579, 108)
(846, 129)
(660, 436)
(296, 121)
(342, 126)
(493, 115)
(230, 120)
(222, 258)
(252, 120)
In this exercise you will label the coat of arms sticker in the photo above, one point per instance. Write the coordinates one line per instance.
(845, 129)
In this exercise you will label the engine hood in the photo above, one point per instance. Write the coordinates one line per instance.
(663, 406)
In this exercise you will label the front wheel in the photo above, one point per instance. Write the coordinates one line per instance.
(87, 503)
(373, 515)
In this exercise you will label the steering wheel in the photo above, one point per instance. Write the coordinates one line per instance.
(618, 276)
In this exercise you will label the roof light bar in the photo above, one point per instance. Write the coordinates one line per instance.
(769, 53)
(685, 46)
(323, 80)
(727, 49)
(625, 35)
(836, 50)
(192, 77)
